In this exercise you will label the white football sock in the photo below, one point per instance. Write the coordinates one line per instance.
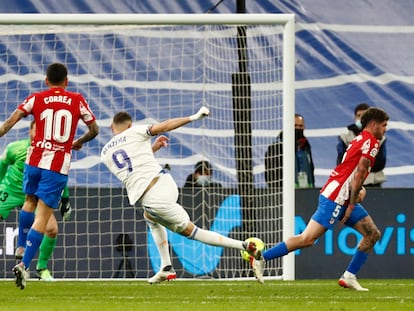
(214, 238)
(159, 234)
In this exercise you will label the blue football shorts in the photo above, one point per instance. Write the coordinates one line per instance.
(329, 212)
(44, 184)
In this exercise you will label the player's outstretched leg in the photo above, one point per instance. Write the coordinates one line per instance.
(167, 273)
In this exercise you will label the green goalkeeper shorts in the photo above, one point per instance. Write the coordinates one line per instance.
(9, 201)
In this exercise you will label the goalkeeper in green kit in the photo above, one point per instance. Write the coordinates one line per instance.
(11, 196)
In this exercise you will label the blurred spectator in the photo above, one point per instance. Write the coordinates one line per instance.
(304, 168)
(202, 176)
(376, 176)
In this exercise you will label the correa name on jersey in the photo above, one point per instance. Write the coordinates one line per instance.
(58, 98)
(115, 142)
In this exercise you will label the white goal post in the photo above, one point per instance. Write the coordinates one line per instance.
(159, 66)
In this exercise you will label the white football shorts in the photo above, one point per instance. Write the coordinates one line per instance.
(160, 202)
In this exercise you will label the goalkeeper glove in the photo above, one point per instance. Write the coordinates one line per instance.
(65, 208)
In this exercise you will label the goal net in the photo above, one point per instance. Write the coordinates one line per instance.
(158, 67)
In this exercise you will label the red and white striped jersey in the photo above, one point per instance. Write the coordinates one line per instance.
(338, 186)
(56, 113)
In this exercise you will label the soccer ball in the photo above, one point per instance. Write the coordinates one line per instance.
(259, 244)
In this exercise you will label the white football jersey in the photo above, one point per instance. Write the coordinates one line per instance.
(130, 158)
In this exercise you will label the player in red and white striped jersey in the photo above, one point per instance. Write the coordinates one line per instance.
(339, 200)
(56, 113)
(338, 186)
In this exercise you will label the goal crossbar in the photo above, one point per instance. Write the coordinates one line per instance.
(145, 19)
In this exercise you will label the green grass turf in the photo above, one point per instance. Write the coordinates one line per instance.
(387, 295)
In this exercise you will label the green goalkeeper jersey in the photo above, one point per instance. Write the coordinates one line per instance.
(12, 164)
(11, 167)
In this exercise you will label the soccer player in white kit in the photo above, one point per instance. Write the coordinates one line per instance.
(129, 155)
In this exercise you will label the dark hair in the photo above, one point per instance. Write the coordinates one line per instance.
(56, 73)
(121, 117)
(202, 166)
(361, 106)
(373, 114)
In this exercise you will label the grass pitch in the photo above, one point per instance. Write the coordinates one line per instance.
(387, 295)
